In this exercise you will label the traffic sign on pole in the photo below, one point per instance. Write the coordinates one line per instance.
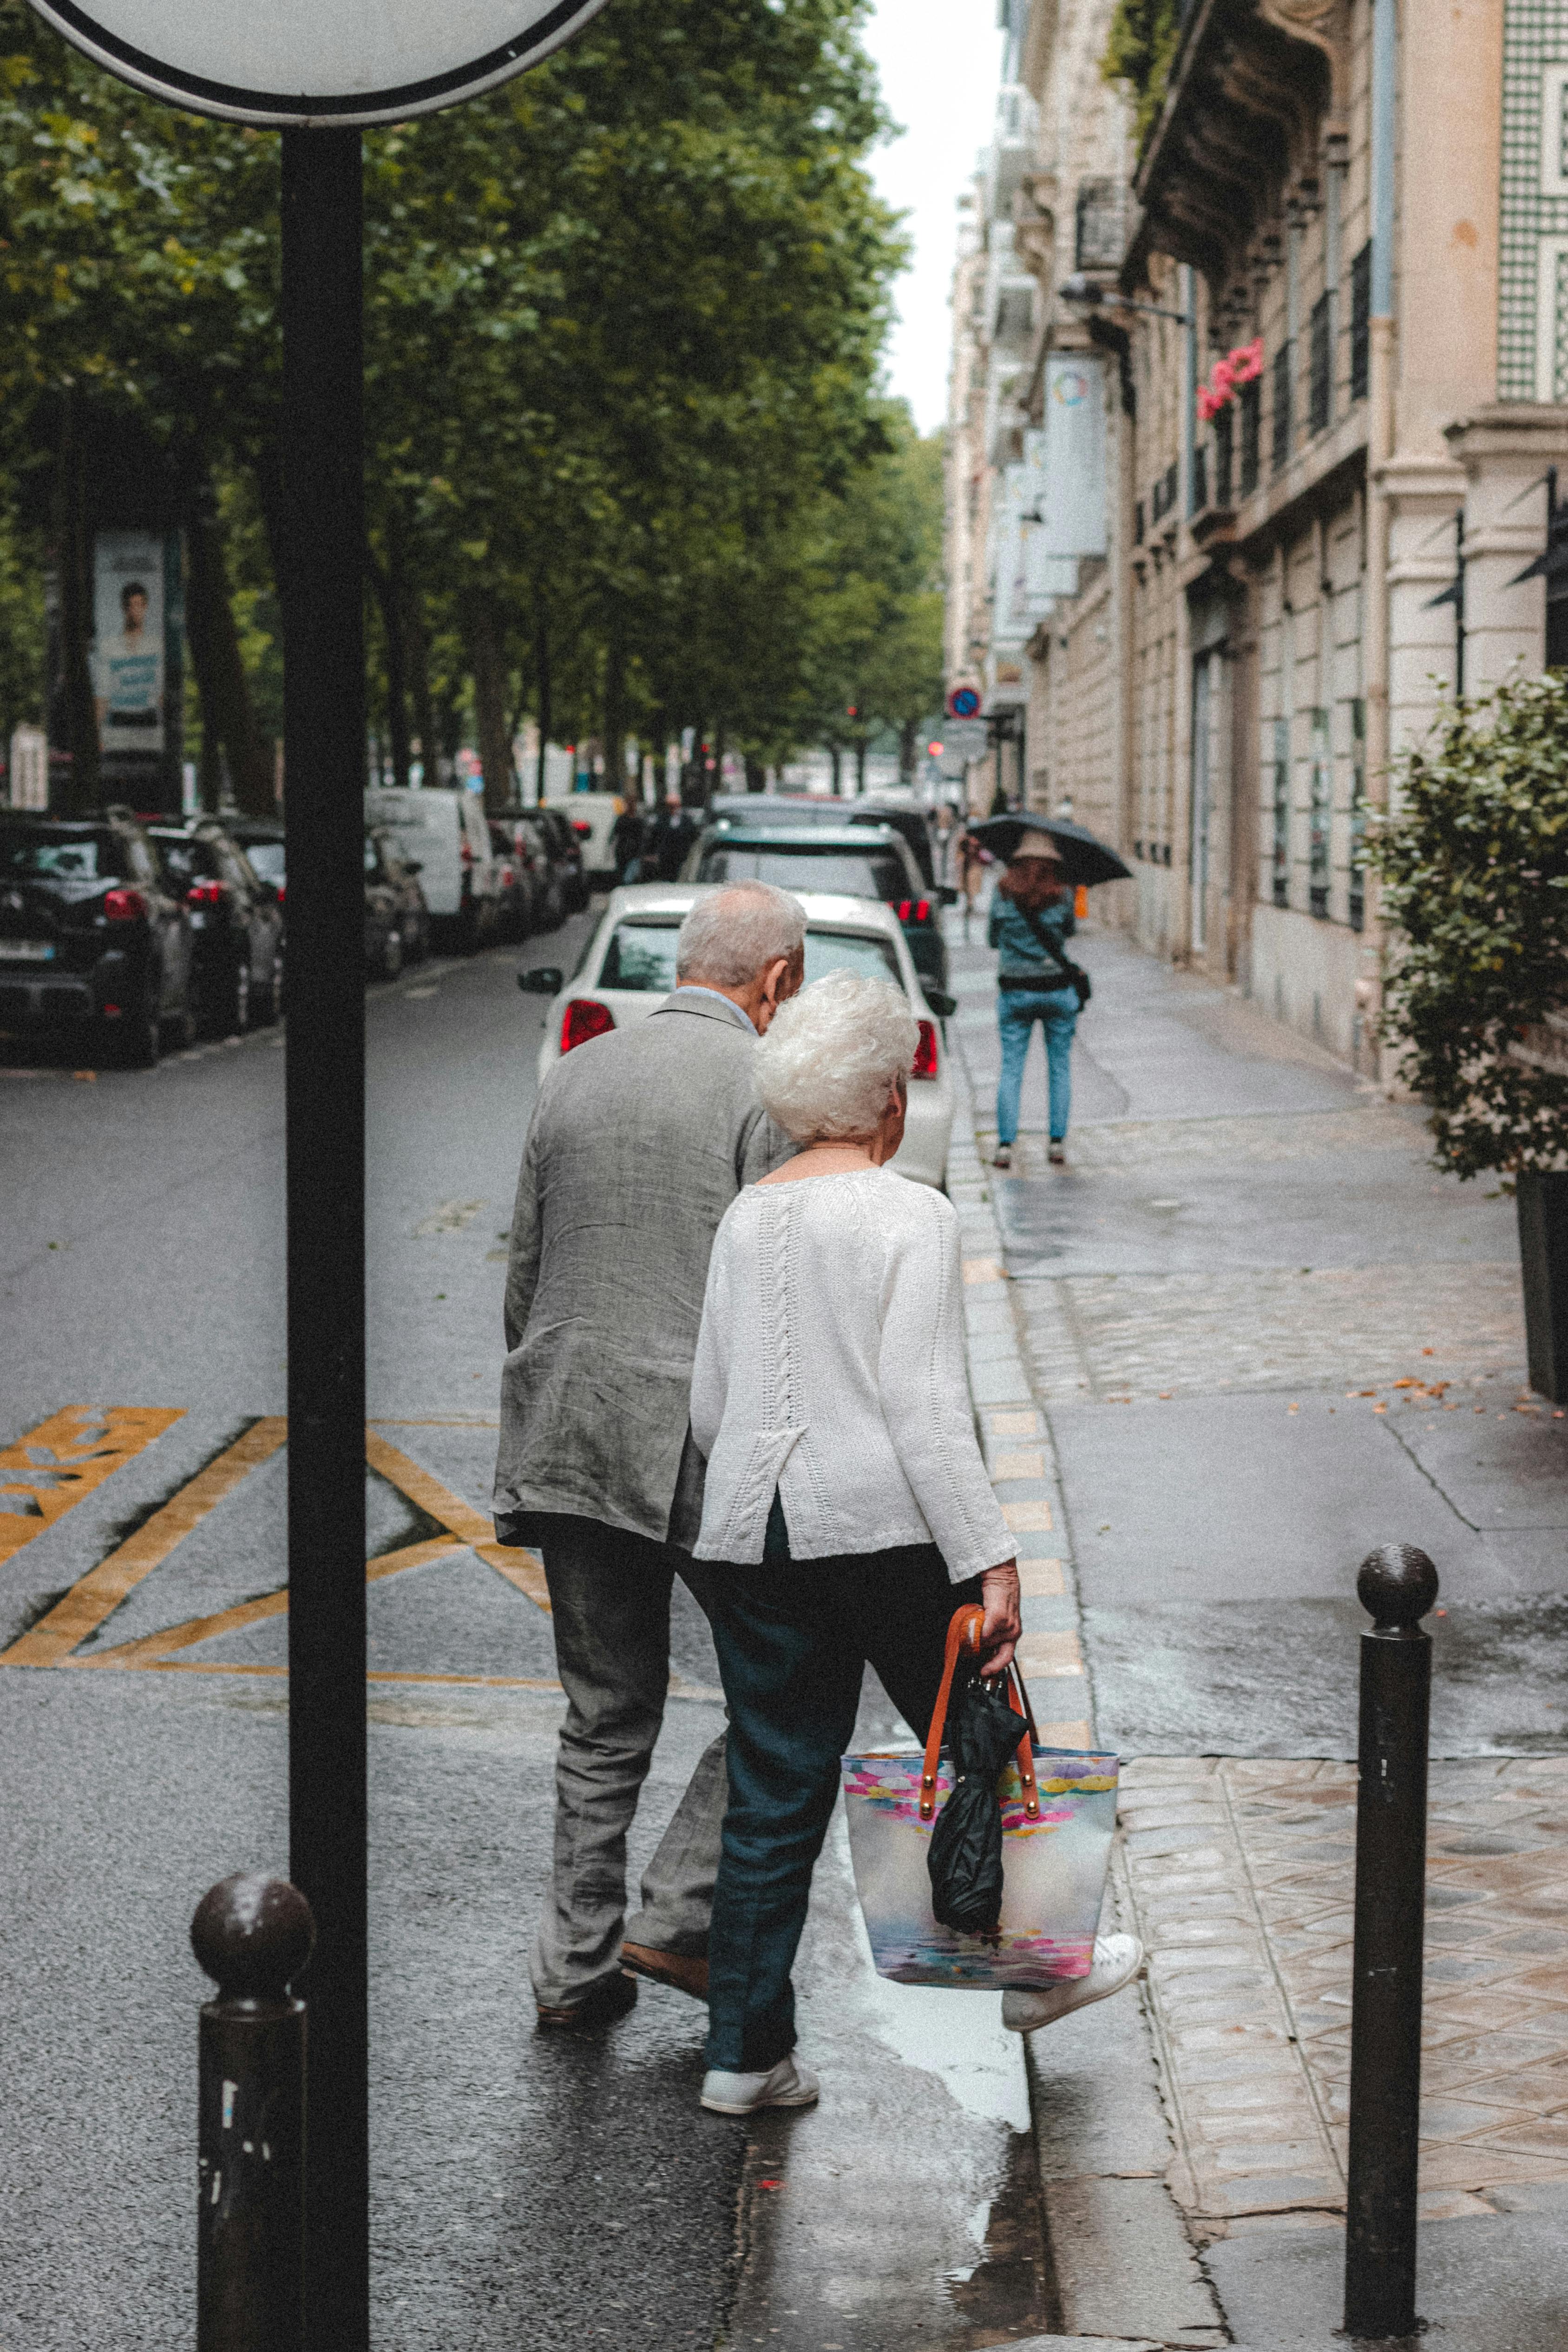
(964, 702)
(296, 62)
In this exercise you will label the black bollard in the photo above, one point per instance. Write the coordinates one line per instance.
(1398, 1585)
(252, 1936)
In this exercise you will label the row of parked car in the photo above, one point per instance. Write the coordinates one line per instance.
(129, 933)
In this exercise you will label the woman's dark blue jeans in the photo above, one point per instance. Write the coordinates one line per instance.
(793, 1639)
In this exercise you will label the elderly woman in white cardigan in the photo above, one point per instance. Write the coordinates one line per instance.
(847, 1508)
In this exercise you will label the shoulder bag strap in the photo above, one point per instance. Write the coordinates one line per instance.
(1044, 938)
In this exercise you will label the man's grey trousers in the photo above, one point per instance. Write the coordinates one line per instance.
(610, 1598)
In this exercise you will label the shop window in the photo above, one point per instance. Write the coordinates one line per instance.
(1321, 815)
(1358, 815)
(1281, 812)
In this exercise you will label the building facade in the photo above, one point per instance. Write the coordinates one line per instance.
(1324, 300)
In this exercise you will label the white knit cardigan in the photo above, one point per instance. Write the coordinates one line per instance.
(831, 1365)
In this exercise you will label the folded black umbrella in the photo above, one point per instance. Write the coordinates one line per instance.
(965, 1856)
(1085, 857)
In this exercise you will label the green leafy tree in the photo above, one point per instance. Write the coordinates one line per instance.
(1475, 875)
(1139, 51)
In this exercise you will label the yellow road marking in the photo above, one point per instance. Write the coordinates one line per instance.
(522, 1569)
(1028, 1518)
(52, 1467)
(1040, 1580)
(501, 1682)
(1068, 1735)
(152, 1649)
(95, 1596)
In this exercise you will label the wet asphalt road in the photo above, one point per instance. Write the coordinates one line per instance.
(527, 2193)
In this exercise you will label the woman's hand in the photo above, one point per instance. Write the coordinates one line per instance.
(1000, 1592)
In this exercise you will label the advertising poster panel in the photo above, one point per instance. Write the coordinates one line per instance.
(128, 650)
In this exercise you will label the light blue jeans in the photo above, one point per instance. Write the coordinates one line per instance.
(1017, 1010)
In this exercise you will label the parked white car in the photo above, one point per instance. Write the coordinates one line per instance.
(443, 832)
(629, 968)
(592, 817)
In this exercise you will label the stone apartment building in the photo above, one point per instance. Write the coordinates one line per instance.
(1322, 308)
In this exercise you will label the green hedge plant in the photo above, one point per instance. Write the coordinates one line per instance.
(1473, 858)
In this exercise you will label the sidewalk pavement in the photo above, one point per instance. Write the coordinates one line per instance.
(1246, 1334)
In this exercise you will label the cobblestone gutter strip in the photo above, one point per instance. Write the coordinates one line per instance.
(1241, 1875)
(1122, 2267)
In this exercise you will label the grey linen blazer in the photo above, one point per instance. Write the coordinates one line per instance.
(639, 1143)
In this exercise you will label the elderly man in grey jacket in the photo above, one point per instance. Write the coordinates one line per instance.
(639, 1143)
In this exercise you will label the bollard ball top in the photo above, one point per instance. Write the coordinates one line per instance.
(1398, 1585)
(253, 1934)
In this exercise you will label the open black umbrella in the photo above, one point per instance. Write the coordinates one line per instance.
(1084, 858)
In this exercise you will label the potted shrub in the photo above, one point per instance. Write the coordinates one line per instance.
(1473, 857)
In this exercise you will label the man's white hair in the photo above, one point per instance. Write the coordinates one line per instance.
(734, 933)
(825, 1068)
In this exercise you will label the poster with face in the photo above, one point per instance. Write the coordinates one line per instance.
(128, 654)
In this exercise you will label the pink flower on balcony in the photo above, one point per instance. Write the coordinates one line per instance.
(1245, 361)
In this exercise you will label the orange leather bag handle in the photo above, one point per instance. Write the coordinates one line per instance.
(964, 1633)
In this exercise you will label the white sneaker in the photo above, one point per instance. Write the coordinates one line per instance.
(1117, 1960)
(784, 2086)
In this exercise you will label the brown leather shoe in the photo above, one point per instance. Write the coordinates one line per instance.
(602, 2007)
(684, 1971)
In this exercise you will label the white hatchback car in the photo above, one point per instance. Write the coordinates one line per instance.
(629, 968)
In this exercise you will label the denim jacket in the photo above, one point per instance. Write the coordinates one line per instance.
(1021, 951)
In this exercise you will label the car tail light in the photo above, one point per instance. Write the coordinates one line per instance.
(925, 1063)
(914, 910)
(466, 852)
(581, 828)
(584, 1019)
(206, 894)
(124, 905)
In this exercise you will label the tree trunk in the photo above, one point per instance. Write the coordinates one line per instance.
(906, 751)
(836, 754)
(756, 775)
(860, 767)
(75, 718)
(228, 722)
(488, 670)
(615, 703)
(541, 665)
(382, 581)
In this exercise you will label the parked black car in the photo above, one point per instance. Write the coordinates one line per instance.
(515, 857)
(397, 921)
(262, 838)
(753, 809)
(236, 926)
(94, 943)
(860, 861)
(566, 855)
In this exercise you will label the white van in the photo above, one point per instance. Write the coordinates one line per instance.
(592, 817)
(443, 832)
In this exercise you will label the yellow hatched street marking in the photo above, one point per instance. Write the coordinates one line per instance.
(152, 1649)
(1041, 1579)
(1033, 1517)
(80, 1447)
(522, 1569)
(52, 1467)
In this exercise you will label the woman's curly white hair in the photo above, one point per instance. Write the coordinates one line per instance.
(832, 1055)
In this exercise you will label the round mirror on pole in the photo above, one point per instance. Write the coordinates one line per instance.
(297, 63)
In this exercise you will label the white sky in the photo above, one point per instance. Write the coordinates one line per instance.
(940, 63)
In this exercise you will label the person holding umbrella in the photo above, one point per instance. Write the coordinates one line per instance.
(1031, 922)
